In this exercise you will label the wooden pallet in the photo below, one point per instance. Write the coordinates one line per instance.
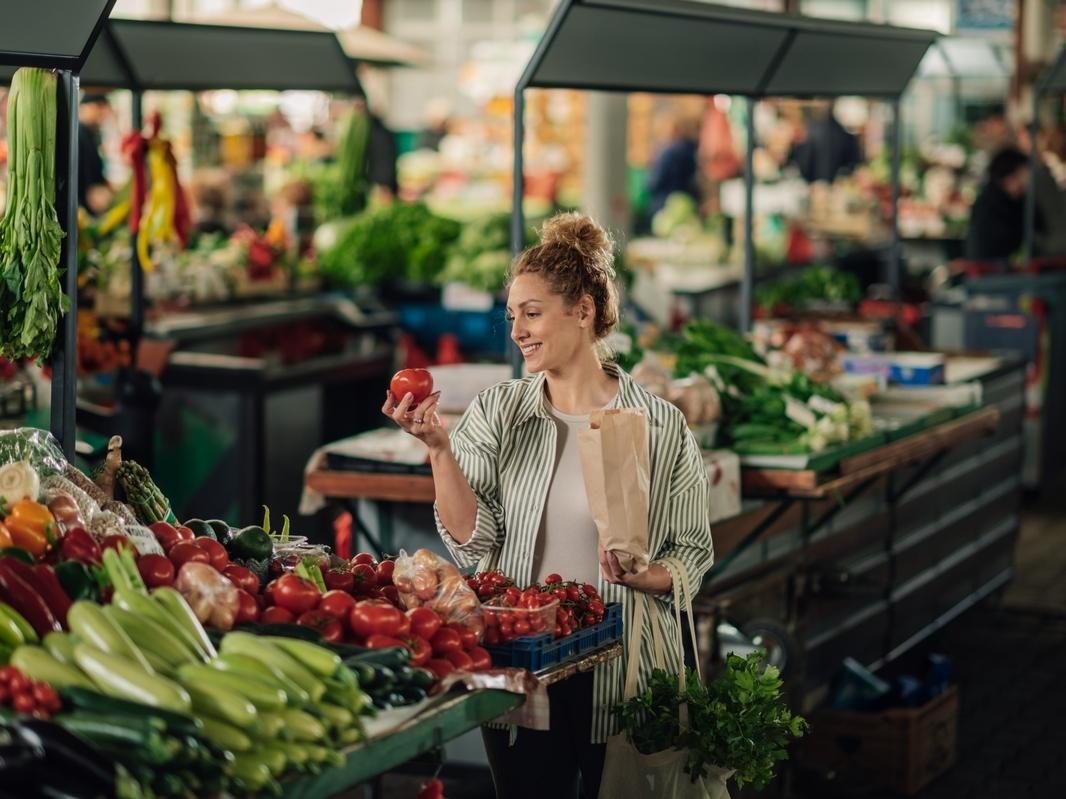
(856, 470)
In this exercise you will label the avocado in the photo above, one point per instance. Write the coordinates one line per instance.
(222, 530)
(251, 542)
(200, 528)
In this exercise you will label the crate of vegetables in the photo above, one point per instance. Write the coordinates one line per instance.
(541, 650)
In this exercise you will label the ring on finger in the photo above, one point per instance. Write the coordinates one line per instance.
(420, 421)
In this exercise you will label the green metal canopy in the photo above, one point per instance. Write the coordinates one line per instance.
(684, 46)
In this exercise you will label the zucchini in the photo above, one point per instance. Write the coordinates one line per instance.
(222, 704)
(252, 771)
(275, 759)
(246, 644)
(175, 606)
(225, 735)
(303, 726)
(250, 667)
(259, 693)
(88, 621)
(317, 659)
(115, 677)
(60, 646)
(92, 701)
(35, 662)
(150, 637)
(335, 716)
(144, 607)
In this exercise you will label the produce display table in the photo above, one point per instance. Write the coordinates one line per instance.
(454, 715)
(441, 719)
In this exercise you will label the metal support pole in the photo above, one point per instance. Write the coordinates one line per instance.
(895, 255)
(136, 272)
(1030, 197)
(518, 216)
(64, 353)
(747, 280)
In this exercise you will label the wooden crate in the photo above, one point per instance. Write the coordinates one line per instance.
(902, 749)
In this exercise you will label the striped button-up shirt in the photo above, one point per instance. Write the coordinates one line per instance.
(505, 445)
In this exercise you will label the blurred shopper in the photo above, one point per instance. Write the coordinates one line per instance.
(827, 148)
(94, 192)
(1049, 235)
(210, 202)
(997, 220)
(438, 123)
(674, 167)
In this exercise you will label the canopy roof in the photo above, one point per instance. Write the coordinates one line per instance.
(50, 33)
(685, 46)
(964, 57)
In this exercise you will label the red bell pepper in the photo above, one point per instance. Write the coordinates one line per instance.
(25, 599)
(135, 148)
(80, 546)
(43, 580)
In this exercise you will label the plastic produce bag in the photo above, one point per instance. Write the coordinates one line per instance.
(36, 446)
(210, 594)
(425, 579)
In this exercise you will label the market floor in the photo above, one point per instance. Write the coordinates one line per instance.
(1010, 658)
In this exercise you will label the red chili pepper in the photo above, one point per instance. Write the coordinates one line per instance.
(135, 148)
(181, 220)
(23, 598)
(43, 580)
(52, 591)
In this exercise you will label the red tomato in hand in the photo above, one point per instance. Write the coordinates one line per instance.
(187, 552)
(325, 625)
(480, 659)
(118, 543)
(248, 610)
(418, 382)
(421, 651)
(242, 578)
(276, 615)
(337, 604)
(339, 580)
(155, 570)
(215, 551)
(446, 641)
(371, 617)
(424, 622)
(295, 593)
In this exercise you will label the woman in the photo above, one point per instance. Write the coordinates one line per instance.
(510, 494)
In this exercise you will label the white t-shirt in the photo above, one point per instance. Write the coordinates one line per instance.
(567, 539)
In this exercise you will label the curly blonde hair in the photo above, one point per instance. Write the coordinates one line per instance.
(576, 257)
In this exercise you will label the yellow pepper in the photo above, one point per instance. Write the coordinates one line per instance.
(31, 526)
(5, 537)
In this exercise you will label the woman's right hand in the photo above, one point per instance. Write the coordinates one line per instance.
(422, 422)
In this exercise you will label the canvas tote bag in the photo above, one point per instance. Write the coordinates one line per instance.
(661, 775)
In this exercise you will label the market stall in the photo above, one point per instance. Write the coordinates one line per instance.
(694, 48)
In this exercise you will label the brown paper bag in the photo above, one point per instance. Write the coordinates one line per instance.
(615, 465)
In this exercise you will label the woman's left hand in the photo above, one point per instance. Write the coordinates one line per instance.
(653, 580)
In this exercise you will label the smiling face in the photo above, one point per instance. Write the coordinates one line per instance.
(549, 334)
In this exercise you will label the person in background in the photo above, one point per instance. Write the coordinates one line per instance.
(674, 167)
(997, 220)
(94, 192)
(438, 121)
(827, 150)
(1049, 234)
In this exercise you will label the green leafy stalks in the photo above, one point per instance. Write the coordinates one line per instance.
(31, 295)
(815, 283)
(737, 722)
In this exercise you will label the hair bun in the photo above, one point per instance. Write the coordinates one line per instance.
(580, 233)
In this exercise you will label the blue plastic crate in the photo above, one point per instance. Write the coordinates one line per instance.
(537, 652)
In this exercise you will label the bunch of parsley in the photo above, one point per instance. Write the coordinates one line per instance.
(739, 721)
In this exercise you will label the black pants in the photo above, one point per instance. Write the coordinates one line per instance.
(548, 763)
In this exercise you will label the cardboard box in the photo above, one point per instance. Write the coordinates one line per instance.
(903, 749)
(723, 474)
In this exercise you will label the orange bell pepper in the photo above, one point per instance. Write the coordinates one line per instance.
(31, 526)
(5, 537)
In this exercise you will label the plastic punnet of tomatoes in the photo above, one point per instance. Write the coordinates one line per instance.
(506, 620)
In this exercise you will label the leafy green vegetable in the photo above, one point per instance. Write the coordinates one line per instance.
(481, 256)
(31, 295)
(395, 241)
(739, 721)
(812, 284)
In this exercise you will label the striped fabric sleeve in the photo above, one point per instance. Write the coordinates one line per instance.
(474, 444)
(689, 538)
